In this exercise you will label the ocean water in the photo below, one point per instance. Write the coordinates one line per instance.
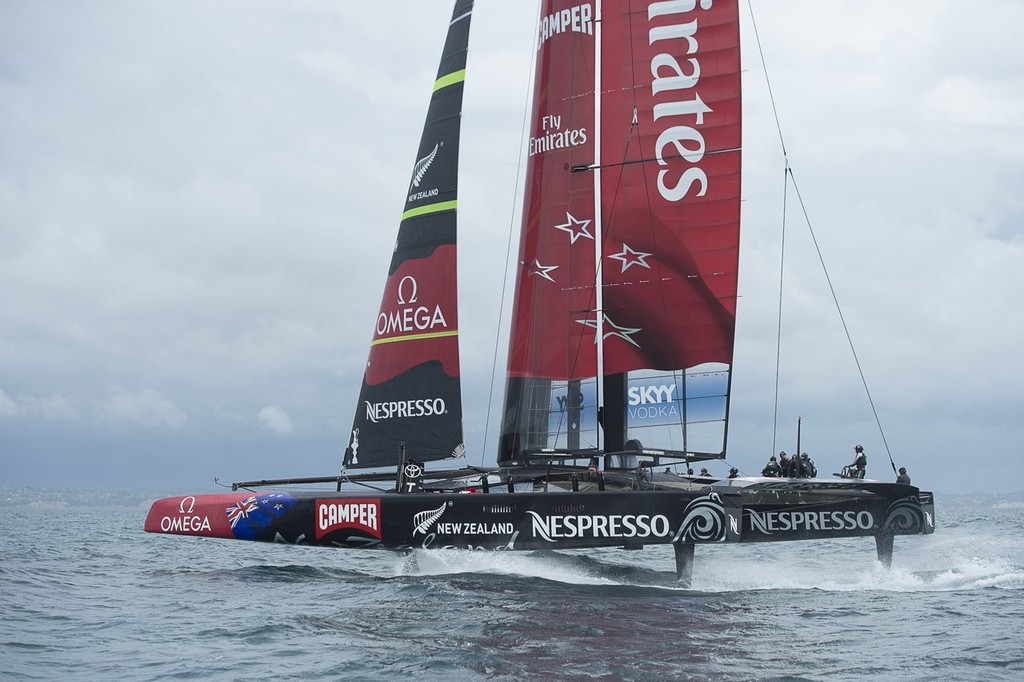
(86, 595)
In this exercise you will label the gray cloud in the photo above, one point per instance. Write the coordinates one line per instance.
(198, 203)
(273, 418)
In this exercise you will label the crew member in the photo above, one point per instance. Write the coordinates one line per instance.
(807, 467)
(734, 472)
(796, 467)
(860, 462)
(772, 469)
(903, 477)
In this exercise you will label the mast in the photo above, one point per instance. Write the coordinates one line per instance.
(598, 233)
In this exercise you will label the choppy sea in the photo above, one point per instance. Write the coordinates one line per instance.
(87, 595)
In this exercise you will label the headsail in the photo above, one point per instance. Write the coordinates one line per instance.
(411, 393)
(629, 250)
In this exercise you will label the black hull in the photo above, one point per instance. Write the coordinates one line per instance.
(758, 510)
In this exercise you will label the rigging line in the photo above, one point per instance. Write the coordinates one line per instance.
(849, 338)
(768, 82)
(782, 258)
(778, 326)
(524, 135)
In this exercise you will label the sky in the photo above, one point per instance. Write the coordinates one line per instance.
(198, 203)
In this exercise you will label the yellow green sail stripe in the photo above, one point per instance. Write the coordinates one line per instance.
(449, 79)
(414, 337)
(430, 208)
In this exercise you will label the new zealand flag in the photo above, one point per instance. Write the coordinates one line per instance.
(253, 515)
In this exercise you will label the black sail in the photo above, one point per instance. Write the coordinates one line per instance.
(411, 397)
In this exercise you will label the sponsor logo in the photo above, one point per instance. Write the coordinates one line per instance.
(185, 524)
(578, 19)
(560, 527)
(354, 514)
(552, 136)
(906, 516)
(652, 402)
(678, 122)
(408, 317)
(423, 407)
(644, 395)
(564, 404)
(772, 522)
(186, 521)
(704, 520)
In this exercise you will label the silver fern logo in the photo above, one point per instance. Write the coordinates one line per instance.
(703, 520)
(425, 519)
(422, 166)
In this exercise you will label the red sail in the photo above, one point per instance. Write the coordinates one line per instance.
(556, 281)
(669, 109)
(670, 182)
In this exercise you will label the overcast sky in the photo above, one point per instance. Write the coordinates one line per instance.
(198, 202)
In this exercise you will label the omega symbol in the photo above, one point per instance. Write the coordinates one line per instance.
(412, 292)
(191, 505)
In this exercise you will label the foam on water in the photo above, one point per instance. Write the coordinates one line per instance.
(721, 573)
(546, 566)
(115, 602)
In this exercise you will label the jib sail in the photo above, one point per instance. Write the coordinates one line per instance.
(411, 398)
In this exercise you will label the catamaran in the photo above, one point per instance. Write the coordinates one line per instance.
(621, 342)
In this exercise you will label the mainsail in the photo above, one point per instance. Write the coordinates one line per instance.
(626, 292)
(411, 400)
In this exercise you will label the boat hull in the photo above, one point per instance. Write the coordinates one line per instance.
(551, 520)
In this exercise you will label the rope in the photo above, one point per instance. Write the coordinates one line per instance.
(842, 318)
(791, 177)
(524, 134)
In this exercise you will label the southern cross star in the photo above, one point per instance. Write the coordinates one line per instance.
(629, 257)
(575, 228)
(616, 330)
(542, 270)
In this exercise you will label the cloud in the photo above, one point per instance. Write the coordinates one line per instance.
(148, 407)
(54, 407)
(213, 220)
(273, 418)
(8, 408)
